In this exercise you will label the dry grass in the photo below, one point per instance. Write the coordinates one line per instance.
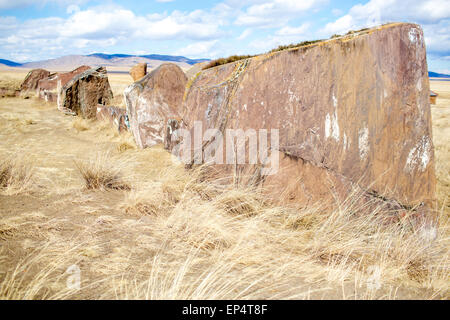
(295, 45)
(81, 124)
(10, 84)
(12, 80)
(234, 58)
(126, 142)
(441, 133)
(222, 61)
(16, 175)
(119, 82)
(186, 247)
(177, 235)
(125, 146)
(102, 173)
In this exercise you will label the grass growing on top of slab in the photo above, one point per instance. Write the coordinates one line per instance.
(234, 58)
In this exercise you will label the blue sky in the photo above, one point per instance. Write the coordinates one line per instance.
(43, 29)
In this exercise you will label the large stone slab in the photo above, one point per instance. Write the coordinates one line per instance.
(351, 112)
(82, 94)
(30, 84)
(195, 69)
(115, 116)
(152, 101)
(49, 88)
(138, 71)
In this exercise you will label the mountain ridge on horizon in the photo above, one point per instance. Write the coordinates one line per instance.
(70, 62)
(432, 74)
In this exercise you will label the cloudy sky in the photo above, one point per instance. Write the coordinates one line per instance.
(41, 29)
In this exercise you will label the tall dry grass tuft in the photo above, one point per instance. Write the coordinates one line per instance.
(157, 197)
(103, 172)
(151, 201)
(125, 142)
(81, 124)
(16, 175)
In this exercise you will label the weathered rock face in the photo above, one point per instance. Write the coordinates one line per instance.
(48, 88)
(30, 84)
(350, 112)
(83, 93)
(138, 71)
(152, 101)
(116, 116)
(195, 69)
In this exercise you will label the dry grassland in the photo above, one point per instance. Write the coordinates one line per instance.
(139, 226)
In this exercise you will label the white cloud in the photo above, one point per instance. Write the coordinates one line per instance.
(376, 11)
(437, 37)
(268, 23)
(11, 4)
(245, 34)
(196, 25)
(198, 49)
(72, 8)
(433, 15)
(273, 41)
(292, 31)
(341, 25)
(8, 4)
(7, 24)
(106, 26)
(275, 12)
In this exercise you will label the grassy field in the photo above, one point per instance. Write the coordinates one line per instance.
(76, 195)
(11, 78)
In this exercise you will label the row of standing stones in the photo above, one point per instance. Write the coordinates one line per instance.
(353, 115)
(85, 92)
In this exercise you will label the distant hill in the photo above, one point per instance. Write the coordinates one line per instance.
(150, 57)
(437, 75)
(9, 63)
(114, 62)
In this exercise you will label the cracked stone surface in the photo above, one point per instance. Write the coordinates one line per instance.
(352, 111)
(30, 84)
(152, 101)
(48, 88)
(82, 94)
(138, 71)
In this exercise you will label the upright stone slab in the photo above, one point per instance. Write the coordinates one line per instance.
(195, 69)
(352, 111)
(152, 101)
(115, 116)
(30, 84)
(48, 88)
(83, 93)
(138, 71)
